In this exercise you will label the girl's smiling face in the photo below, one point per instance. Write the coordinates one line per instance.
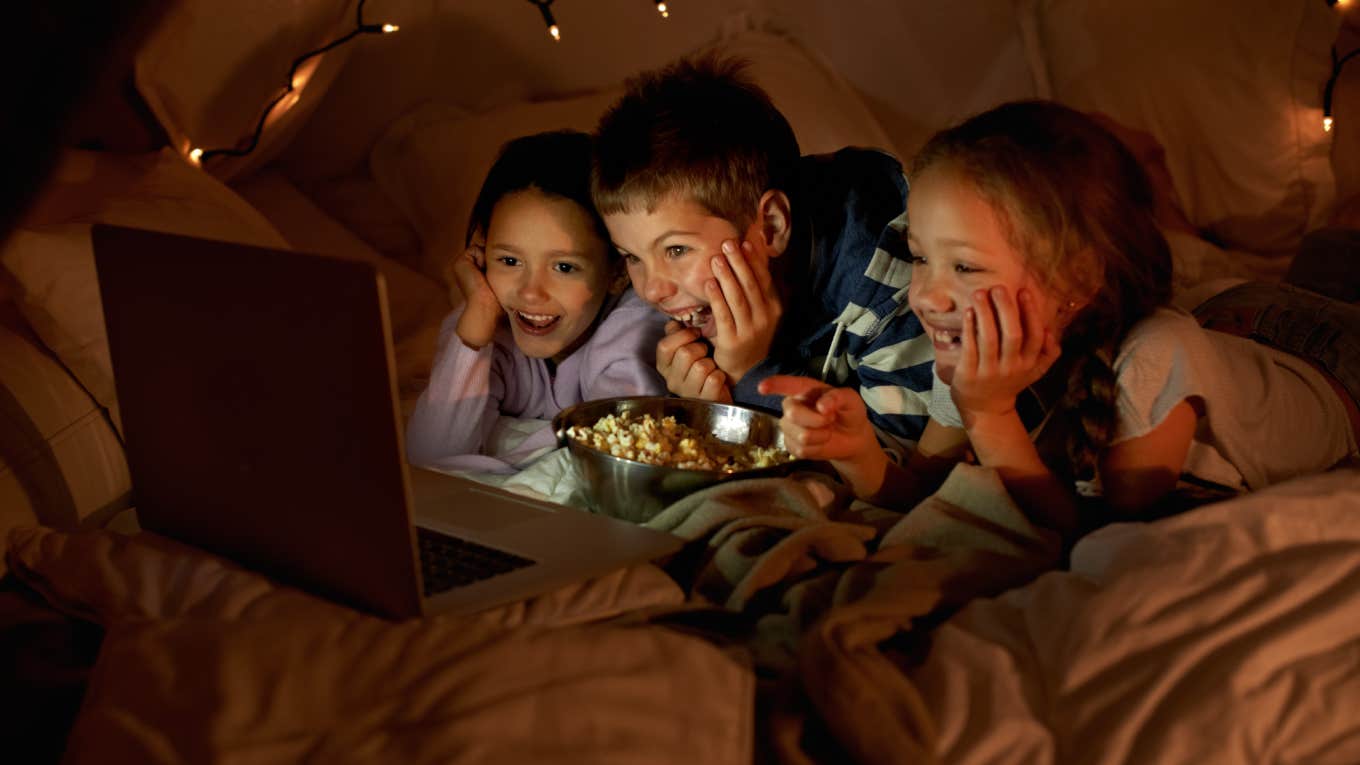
(959, 245)
(550, 271)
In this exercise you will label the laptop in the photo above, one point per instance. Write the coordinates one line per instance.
(261, 418)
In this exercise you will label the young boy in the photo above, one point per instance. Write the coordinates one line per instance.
(767, 262)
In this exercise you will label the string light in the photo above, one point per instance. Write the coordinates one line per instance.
(1337, 64)
(298, 74)
(544, 8)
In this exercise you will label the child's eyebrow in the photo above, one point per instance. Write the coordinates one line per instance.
(513, 250)
(671, 232)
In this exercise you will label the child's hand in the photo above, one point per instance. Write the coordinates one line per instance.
(1005, 348)
(745, 306)
(821, 422)
(682, 359)
(477, 325)
(825, 423)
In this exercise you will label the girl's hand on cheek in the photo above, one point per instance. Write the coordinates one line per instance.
(1005, 349)
(746, 307)
(477, 325)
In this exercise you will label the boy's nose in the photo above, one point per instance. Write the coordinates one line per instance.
(656, 288)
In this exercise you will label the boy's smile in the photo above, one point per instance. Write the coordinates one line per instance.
(668, 252)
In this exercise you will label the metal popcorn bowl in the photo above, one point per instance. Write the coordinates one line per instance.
(636, 491)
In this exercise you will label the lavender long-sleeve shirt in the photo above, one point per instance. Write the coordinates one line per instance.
(470, 389)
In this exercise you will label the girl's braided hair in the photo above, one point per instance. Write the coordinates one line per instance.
(1077, 203)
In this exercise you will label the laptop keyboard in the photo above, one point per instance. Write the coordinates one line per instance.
(447, 562)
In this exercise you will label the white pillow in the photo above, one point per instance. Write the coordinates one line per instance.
(209, 68)
(52, 263)
(1232, 91)
(431, 162)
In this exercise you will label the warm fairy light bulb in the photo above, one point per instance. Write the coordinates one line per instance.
(196, 155)
(288, 102)
(389, 28)
(555, 32)
(663, 10)
(1327, 124)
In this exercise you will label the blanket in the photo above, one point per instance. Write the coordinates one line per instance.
(947, 634)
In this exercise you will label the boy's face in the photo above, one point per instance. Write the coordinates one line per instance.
(549, 271)
(669, 253)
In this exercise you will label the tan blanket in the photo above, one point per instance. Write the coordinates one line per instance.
(205, 662)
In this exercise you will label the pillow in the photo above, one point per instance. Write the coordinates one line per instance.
(52, 265)
(60, 462)
(417, 304)
(209, 69)
(431, 162)
(1233, 94)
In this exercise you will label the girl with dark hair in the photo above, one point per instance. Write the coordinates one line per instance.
(1038, 267)
(548, 320)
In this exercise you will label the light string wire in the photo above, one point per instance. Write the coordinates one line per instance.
(360, 28)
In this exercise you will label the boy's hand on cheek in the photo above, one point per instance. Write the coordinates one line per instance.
(746, 307)
(1005, 349)
(682, 359)
(477, 325)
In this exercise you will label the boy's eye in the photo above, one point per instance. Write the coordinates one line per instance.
(915, 259)
(676, 250)
(565, 268)
(964, 268)
(630, 259)
(507, 260)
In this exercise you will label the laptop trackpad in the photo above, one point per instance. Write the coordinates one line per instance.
(487, 511)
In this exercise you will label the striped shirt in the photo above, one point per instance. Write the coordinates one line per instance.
(848, 322)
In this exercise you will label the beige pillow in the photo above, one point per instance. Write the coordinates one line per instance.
(431, 162)
(51, 263)
(1232, 91)
(210, 68)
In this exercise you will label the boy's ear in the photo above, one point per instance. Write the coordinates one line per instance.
(774, 216)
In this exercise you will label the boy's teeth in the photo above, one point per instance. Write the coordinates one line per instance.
(945, 336)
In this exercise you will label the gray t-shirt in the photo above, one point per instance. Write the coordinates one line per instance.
(1269, 416)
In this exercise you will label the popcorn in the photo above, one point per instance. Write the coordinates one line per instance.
(668, 443)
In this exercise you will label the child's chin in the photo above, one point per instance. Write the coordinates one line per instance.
(945, 372)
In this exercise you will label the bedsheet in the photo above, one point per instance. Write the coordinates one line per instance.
(1226, 634)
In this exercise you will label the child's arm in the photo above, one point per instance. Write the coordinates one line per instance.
(1136, 473)
(825, 423)
(1004, 350)
(457, 410)
(482, 314)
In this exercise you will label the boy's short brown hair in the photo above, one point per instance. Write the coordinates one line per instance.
(699, 128)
